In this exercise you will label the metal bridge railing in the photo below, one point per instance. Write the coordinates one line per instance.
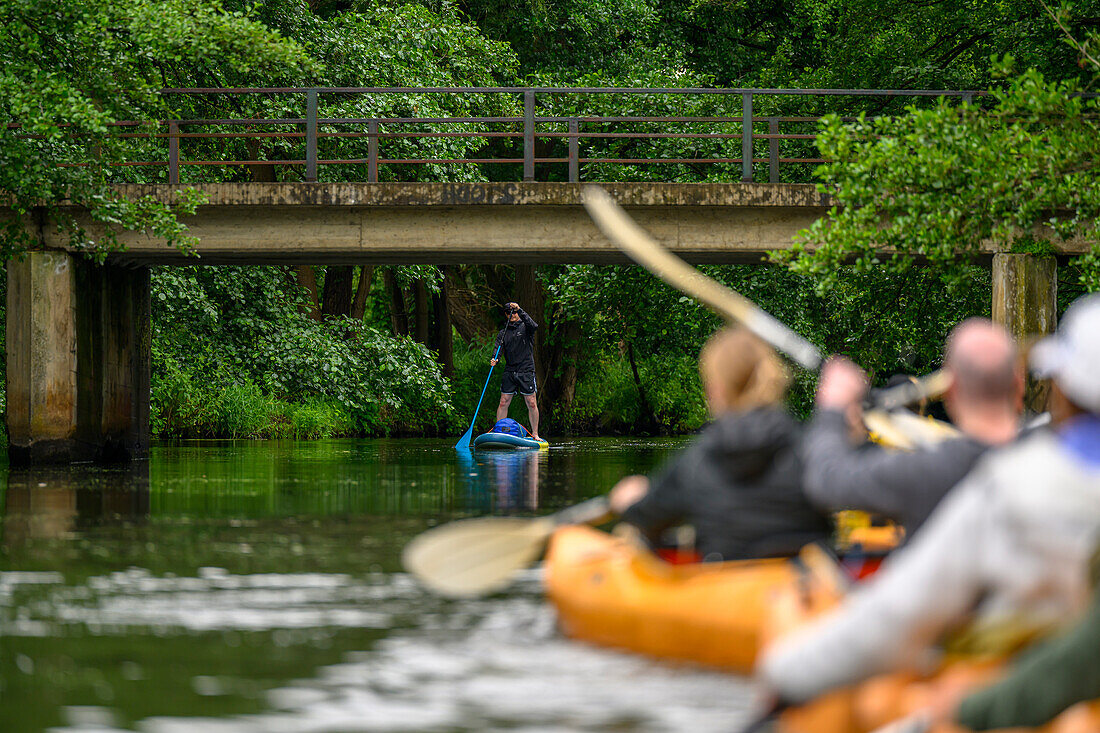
(556, 130)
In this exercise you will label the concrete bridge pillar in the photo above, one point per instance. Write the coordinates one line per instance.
(78, 338)
(1025, 301)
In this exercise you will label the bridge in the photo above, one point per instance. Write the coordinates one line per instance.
(326, 182)
(408, 223)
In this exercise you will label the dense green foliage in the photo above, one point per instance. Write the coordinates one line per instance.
(342, 350)
(941, 182)
(913, 312)
(374, 45)
(235, 355)
(884, 44)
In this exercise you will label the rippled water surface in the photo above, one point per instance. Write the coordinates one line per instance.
(248, 587)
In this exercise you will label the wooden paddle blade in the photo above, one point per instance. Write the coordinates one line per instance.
(473, 557)
(925, 431)
(905, 430)
(929, 386)
(643, 249)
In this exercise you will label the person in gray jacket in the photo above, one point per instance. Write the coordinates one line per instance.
(984, 401)
(1045, 681)
(1007, 549)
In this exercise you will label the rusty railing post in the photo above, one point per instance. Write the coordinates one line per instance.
(173, 152)
(372, 151)
(311, 136)
(529, 135)
(746, 137)
(773, 150)
(574, 151)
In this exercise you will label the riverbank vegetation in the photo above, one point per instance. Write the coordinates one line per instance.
(316, 351)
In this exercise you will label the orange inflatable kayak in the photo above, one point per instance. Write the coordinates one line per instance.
(609, 592)
(889, 698)
(875, 704)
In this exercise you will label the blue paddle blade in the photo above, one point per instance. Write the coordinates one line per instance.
(464, 442)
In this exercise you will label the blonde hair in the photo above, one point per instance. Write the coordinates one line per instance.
(744, 370)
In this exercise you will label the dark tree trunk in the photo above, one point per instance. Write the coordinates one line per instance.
(444, 340)
(259, 173)
(336, 300)
(531, 298)
(561, 371)
(648, 418)
(362, 290)
(423, 313)
(500, 285)
(307, 279)
(399, 318)
(469, 315)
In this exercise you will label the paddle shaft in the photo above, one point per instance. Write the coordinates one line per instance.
(643, 249)
(593, 511)
(617, 225)
(466, 437)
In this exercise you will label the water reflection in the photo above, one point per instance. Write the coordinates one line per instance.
(52, 502)
(248, 587)
(503, 481)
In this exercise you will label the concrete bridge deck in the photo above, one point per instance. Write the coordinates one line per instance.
(409, 223)
(477, 222)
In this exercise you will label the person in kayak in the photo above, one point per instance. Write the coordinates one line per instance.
(738, 485)
(1044, 682)
(516, 341)
(984, 402)
(1007, 549)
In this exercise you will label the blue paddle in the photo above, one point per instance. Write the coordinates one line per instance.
(464, 442)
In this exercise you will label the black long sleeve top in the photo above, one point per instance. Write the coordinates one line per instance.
(740, 486)
(517, 340)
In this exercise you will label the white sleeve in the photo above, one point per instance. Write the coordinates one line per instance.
(921, 591)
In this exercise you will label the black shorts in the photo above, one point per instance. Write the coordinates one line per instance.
(522, 382)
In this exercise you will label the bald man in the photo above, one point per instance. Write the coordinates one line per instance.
(984, 402)
(1006, 551)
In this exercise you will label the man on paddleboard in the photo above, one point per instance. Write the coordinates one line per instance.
(516, 341)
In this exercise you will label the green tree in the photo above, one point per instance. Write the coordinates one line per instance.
(618, 308)
(937, 183)
(372, 45)
(884, 44)
(71, 68)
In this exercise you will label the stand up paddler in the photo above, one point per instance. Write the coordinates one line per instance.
(516, 341)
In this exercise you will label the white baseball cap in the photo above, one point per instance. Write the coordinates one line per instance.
(1071, 356)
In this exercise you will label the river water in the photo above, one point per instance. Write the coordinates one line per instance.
(255, 587)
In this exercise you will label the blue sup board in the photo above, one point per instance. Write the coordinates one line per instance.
(503, 440)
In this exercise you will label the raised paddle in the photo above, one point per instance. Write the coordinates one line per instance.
(643, 249)
(464, 442)
(472, 557)
(617, 225)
